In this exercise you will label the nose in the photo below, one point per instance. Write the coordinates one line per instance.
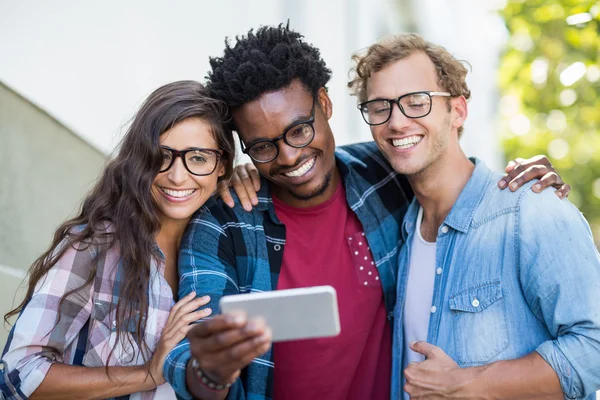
(177, 174)
(398, 121)
(288, 155)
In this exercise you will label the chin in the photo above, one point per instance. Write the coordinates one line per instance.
(317, 189)
(179, 214)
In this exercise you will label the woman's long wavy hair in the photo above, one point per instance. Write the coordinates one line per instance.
(122, 197)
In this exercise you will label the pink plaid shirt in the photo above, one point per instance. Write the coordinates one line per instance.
(82, 331)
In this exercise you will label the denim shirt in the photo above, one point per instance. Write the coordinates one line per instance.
(516, 273)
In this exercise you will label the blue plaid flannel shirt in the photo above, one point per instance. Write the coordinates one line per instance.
(230, 251)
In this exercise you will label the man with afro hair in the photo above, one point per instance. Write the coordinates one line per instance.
(324, 216)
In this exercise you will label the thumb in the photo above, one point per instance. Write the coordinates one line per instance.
(427, 349)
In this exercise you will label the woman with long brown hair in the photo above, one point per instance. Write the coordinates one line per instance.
(100, 315)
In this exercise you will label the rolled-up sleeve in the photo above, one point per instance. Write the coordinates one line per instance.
(205, 267)
(46, 326)
(560, 275)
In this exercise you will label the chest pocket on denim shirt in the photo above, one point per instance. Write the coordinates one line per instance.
(103, 338)
(479, 323)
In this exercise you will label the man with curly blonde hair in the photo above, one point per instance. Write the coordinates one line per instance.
(486, 280)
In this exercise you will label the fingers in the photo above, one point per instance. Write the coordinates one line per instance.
(512, 164)
(218, 324)
(550, 179)
(225, 194)
(185, 306)
(228, 339)
(180, 327)
(224, 363)
(521, 175)
(187, 298)
(537, 166)
(254, 176)
(241, 191)
(563, 191)
(245, 187)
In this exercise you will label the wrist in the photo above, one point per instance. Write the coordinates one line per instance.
(474, 384)
(152, 378)
(206, 380)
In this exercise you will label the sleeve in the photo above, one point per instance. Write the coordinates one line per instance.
(560, 277)
(46, 327)
(206, 260)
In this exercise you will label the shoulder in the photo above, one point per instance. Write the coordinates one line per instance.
(362, 155)
(363, 165)
(545, 209)
(216, 217)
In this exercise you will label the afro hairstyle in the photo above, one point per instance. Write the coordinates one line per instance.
(265, 61)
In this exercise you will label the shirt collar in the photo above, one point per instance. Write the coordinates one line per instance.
(464, 208)
(344, 162)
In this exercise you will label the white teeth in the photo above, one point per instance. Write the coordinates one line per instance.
(178, 193)
(407, 142)
(302, 170)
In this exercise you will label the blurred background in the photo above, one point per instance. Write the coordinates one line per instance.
(73, 73)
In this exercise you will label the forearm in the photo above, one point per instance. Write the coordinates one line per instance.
(75, 382)
(199, 391)
(529, 377)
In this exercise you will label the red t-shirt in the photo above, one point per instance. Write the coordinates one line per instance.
(325, 245)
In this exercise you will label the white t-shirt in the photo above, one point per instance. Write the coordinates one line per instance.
(419, 293)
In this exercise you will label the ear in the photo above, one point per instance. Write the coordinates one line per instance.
(221, 169)
(325, 103)
(460, 111)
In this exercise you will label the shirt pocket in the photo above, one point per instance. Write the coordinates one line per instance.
(103, 341)
(479, 323)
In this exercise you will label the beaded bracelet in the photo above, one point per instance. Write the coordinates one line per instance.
(205, 380)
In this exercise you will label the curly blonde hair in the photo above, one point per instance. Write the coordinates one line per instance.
(451, 73)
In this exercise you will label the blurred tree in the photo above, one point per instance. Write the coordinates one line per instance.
(550, 81)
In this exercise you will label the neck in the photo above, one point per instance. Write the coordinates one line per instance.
(171, 231)
(437, 188)
(290, 199)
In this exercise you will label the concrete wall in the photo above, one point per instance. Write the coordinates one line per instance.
(45, 170)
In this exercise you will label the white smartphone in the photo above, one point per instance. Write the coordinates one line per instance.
(292, 314)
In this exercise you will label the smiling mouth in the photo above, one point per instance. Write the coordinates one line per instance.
(179, 194)
(302, 170)
(406, 142)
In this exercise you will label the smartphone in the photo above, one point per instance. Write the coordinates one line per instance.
(292, 314)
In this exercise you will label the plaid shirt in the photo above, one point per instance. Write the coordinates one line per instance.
(229, 251)
(82, 330)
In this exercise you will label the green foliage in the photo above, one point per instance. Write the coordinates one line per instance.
(543, 111)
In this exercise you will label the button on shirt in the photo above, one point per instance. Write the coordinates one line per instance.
(521, 273)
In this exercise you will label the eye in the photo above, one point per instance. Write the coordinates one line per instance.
(299, 131)
(379, 107)
(416, 102)
(262, 147)
(198, 159)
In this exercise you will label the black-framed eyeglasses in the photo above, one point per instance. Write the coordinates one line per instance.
(412, 105)
(299, 134)
(197, 161)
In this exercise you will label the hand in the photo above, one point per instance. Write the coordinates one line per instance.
(246, 182)
(226, 344)
(438, 377)
(521, 171)
(177, 326)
